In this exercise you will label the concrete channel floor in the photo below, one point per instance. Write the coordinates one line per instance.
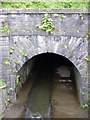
(64, 101)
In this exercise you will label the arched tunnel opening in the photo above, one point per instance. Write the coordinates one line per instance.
(52, 71)
(49, 89)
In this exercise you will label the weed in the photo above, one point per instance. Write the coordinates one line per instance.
(11, 50)
(81, 16)
(7, 102)
(6, 29)
(85, 106)
(2, 83)
(87, 59)
(9, 90)
(46, 24)
(62, 16)
(24, 54)
(6, 63)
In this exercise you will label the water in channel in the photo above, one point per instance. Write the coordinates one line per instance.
(39, 100)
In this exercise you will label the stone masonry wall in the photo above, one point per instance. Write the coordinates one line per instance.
(69, 39)
(24, 74)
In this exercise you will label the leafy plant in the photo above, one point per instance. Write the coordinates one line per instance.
(6, 63)
(46, 24)
(7, 102)
(87, 59)
(2, 83)
(10, 89)
(56, 4)
(62, 16)
(81, 16)
(6, 29)
(11, 50)
(85, 106)
(24, 54)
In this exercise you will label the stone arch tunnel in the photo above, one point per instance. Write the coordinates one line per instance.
(23, 42)
(50, 62)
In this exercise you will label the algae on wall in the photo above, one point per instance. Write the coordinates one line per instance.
(80, 83)
(24, 74)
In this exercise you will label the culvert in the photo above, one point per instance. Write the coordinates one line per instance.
(54, 92)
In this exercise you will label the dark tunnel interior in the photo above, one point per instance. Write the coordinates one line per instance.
(50, 61)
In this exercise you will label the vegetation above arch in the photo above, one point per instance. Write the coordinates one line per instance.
(45, 5)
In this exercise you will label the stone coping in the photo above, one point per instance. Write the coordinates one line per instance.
(43, 10)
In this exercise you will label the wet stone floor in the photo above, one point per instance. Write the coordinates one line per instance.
(63, 99)
(64, 102)
(17, 109)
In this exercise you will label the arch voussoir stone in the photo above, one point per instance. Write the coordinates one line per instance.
(61, 45)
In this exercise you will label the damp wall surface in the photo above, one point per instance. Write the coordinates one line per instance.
(69, 39)
(81, 87)
(24, 74)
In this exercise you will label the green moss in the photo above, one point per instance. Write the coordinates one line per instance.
(2, 83)
(45, 5)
